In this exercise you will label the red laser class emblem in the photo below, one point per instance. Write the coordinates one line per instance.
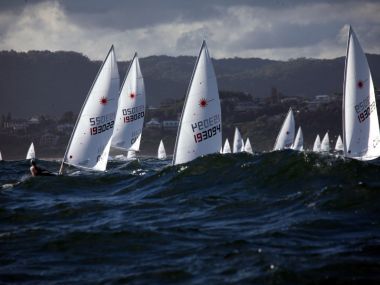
(103, 101)
(203, 103)
(132, 95)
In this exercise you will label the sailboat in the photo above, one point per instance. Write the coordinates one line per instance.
(130, 111)
(298, 141)
(1, 157)
(317, 144)
(90, 141)
(339, 144)
(325, 145)
(161, 153)
(238, 142)
(247, 146)
(200, 128)
(226, 148)
(31, 154)
(361, 135)
(286, 135)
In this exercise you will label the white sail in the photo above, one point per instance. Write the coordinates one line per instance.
(247, 146)
(1, 157)
(31, 153)
(226, 148)
(161, 153)
(361, 135)
(91, 138)
(325, 145)
(131, 110)
(286, 135)
(298, 141)
(339, 144)
(317, 144)
(238, 142)
(131, 154)
(200, 128)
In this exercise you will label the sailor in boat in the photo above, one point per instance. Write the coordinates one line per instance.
(37, 171)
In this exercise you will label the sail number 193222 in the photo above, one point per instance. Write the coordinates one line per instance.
(206, 129)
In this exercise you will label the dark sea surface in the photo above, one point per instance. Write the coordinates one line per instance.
(270, 218)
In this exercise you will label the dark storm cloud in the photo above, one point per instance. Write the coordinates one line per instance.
(288, 35)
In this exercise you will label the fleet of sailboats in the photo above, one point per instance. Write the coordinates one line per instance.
(113, 118)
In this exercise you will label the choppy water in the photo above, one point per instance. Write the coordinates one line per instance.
(272, 218)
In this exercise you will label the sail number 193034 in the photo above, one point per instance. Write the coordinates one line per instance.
(207, 128)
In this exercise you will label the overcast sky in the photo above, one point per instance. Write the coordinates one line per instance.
(275, 29)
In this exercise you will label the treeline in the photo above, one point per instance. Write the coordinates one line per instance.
(44, 82)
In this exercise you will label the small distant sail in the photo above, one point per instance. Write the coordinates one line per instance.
(325, 145)
(339, 144)
(161, 153)
(200, 128)
(286, 135)
(1, 157)
(298, 141)
(361, 135)
(90, 141)
(226, 148)
(247, 146)
(238, 142)
(317, 144)
(31, 153)
(131, 110)
(131, 155)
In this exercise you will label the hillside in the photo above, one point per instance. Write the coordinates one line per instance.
(43, 82)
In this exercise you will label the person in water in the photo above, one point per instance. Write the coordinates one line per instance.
(37, 171)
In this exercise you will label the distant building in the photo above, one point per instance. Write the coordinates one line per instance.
(170, 125)
(48, 139)
(16, 125)
(34, 121)
(65, 128)
(153, 123)
(322, 98)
